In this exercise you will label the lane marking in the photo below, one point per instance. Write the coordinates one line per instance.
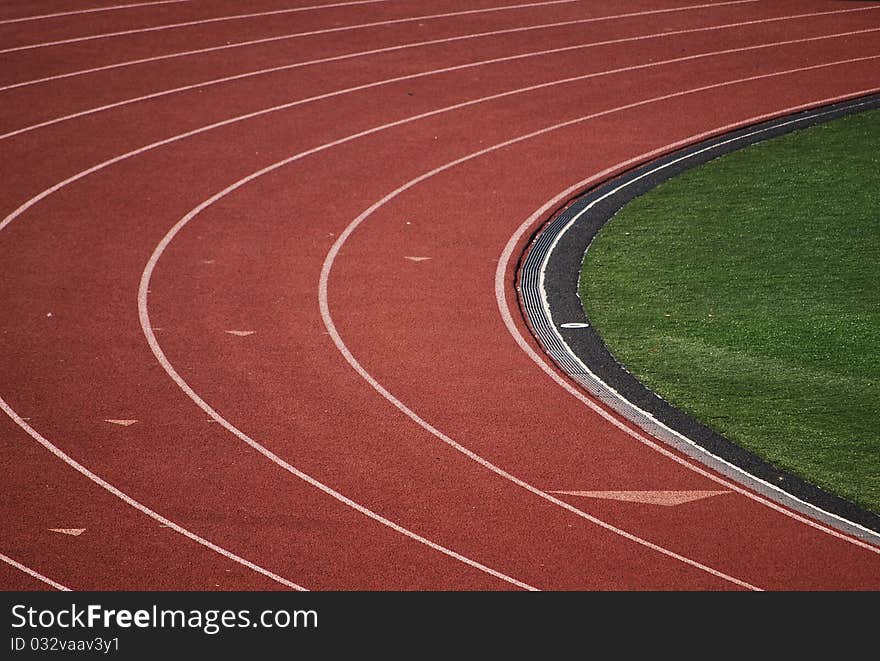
(288, 11)
(73, 532)
(34, 574)
(286, 106)
(88, 11)
(369, 52)
(239, 333)
(145, 322)
(49, 191)
(115, 491)
(124, 423)
(144, 316)
(504, 307)
(664, 498)
(417, 259)
(39, 438)
(151, 339)
(353, 362)
(497, 60)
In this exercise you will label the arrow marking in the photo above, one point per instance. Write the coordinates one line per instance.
(665, 498)
(74, 532)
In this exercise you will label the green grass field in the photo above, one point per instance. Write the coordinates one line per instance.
(747, 293)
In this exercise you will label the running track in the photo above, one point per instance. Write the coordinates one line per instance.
(281, 247)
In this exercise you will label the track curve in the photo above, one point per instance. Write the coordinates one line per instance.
(552, 266)
(343, 200)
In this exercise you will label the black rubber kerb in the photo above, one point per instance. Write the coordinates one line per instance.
(548, 286)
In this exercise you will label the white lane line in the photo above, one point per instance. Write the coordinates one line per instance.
(11, 217)
(236, 17)
(353, 362)
(160, 356)
(39, 438)
(508, 58)
(227, 122)
(505, 308)
(89, 11)
(146, 327)
(34, 574)
(295, 35)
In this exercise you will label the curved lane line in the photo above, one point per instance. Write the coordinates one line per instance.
(288, 11)
(353, 362)
(233, 120)
(93, 10)
(33, 433)
(549, 206)
(106, 485)
(327, 318)
(11, 217)
(295, 35)
(143, 314)
(508, 58)
(34, 574)
(146, 327)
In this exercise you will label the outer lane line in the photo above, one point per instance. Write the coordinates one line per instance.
(89, 11)
(295, 35)
(136, 152)
(508, 58)
(33, 433)
(505, 310)
(34, 574)
(6, 221)
(287, 11)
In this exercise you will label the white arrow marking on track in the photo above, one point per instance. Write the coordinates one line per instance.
(74, 532)
(665, 498)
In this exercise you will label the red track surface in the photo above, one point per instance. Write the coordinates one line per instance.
(265, 461)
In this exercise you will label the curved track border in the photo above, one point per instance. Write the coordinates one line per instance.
(547, 284)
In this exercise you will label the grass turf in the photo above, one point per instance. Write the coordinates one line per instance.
(747, 293)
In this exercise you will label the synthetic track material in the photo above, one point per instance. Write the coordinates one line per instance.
(302, 256)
